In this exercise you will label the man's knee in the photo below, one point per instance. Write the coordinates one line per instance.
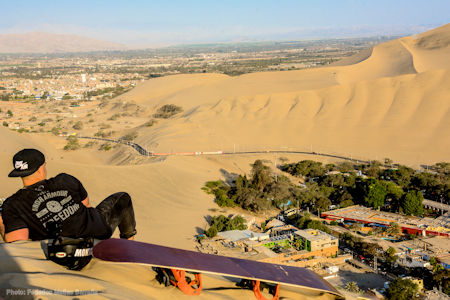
(124, 199)
(125, 196)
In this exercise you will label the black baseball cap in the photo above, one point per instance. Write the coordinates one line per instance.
(26, 162)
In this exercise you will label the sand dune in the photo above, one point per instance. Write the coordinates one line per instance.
(392, 101)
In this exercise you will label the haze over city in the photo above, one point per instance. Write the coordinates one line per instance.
(162, 23)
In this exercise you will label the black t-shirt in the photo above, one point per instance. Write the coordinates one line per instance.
(58, 200)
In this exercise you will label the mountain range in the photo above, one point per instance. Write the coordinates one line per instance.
(41, 42)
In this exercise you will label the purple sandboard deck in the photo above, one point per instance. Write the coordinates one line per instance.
(121, 250)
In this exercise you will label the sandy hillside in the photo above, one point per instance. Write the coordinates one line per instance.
(393, 101)
(169, 206)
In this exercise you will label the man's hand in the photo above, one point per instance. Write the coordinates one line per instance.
(17, 235)
(86, 202)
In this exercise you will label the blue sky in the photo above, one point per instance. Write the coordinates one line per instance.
(153, 23)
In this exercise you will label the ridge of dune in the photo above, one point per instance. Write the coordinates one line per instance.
(354, 59)
(403, 117)
(386, 60)
(430, 50)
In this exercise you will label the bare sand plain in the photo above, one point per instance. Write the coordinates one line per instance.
(392, 101)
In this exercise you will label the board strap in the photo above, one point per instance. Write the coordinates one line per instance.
(185, 284)
(259, 295)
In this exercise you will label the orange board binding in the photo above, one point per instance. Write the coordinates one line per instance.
(185, 284)
(259, 295)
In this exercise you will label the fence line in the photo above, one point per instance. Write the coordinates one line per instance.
(142, 151)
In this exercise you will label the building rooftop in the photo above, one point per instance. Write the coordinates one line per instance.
(236, 235)
(314, 235)
(356, 212)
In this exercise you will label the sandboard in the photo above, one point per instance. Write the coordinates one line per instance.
(125, 251)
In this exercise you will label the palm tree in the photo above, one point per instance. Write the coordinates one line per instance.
(352, 286)
(393, 229)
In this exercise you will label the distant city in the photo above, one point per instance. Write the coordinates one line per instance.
(105, 74)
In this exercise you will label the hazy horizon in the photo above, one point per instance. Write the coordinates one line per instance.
(151, 24)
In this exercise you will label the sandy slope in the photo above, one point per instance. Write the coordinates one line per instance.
(392, 102)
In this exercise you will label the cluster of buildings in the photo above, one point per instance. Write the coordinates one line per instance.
(73, 86)
(282, 243)
(408, 224)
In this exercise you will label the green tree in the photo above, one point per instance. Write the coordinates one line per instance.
(9, 113)
(223, 223)
(303, 221)
(316, 224)
(412, 203)
(220, 190)
(390, 255)
(402, 175)
(346, 203)
(393, 229)
(441, 277)
(373, 170)
(375, 194)
(401, 289)
(211, 232)
(352, 287)
(261, 176)
(345, 167)
(323, 204)
(5, 124)
(394, 192)
(306, 168)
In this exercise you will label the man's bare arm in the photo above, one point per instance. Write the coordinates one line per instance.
(17, 235)
(2, 228)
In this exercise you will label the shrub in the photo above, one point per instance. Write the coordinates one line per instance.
(72, 143)
(114, 117)
(150, 123)
(105, 147)
(129, 137)
(401, 289)
(167, 111)
(104, 126)
(32, 119)
(103, 134)
(5, 124)
(89, 144)
(55, 130)
(219, 189)
(78, 125)
(223, 223)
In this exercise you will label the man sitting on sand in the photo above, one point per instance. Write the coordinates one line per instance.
(42, 203)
